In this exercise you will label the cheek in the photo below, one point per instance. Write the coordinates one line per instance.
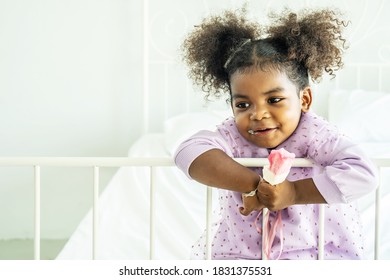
(241, 121)
(291, 114)
(240, 117)
(293, 111)
(291, 119)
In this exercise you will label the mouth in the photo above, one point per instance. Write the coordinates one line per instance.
(261, 131)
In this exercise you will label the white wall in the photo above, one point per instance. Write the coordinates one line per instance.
(70, 74)
(71, 84)
(67, 75)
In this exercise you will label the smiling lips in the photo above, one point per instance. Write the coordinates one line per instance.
(261, 131)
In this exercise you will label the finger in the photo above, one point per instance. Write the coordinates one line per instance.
(244, 211)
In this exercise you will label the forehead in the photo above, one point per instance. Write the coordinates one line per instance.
(259, 80)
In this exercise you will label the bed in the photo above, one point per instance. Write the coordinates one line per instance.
(124, 205)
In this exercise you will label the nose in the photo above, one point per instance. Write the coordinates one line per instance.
(259, 113)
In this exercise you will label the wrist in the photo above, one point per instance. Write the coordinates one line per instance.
(295, 194)
(249, 194)
(253, 192)
(306, 192)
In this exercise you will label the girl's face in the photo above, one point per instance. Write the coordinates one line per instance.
(266, 106)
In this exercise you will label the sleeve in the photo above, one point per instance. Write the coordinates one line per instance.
(196, 145)
(344, 172)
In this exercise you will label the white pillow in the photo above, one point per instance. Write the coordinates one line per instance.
(362, 115)
(177, 129)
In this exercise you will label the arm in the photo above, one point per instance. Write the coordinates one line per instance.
(348, 175)
(306, 192)
(215, 168)
(206, 160)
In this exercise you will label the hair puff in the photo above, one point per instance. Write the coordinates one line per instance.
(208, 46)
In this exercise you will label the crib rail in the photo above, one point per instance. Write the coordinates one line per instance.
(97, 162)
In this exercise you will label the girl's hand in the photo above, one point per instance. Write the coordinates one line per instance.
(273, 197)
(276, 197)
(281, 196)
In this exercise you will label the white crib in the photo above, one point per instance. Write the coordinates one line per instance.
(152, 163)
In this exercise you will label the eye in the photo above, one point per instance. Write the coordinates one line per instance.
(274, 100)
(242, 105)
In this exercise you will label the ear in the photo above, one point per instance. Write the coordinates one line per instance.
(306, 99)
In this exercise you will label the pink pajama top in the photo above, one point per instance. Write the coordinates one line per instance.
(342, 174)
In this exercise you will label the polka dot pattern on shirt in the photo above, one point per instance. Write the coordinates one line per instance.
(236, 236)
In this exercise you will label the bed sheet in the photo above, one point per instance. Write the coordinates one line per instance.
(367, 205)
(123, 230)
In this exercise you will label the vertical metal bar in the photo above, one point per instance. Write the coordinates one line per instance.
(37, 213)
(264, 235)
(95, 220)
(321, 227)
(152, 218)
(377, 217)
(209, 213)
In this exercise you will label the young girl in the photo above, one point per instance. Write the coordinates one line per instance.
(266, 73)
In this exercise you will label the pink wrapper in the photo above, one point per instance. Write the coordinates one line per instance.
(279, 167)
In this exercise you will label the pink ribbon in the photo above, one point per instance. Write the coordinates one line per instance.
(269, 233)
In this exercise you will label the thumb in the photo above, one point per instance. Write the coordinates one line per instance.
(244, 211)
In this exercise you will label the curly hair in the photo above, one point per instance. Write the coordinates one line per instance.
(301, 46)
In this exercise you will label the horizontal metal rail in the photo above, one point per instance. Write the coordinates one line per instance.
(152, 162)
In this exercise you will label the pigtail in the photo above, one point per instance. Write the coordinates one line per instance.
(207, 48)
(314, 40)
